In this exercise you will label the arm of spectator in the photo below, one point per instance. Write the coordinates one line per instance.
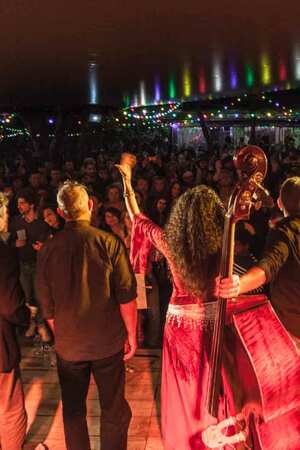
(275, 254)
(265, 271)
(37, 245)
(129, 315)
(234, 286)
(20, 243)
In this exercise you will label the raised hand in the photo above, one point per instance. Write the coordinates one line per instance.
(128, 161)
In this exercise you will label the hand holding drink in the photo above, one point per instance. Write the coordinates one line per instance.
(21, 238)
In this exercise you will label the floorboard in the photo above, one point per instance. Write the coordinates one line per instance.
(43, 404)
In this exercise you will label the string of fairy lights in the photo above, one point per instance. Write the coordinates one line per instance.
(265, 107)
(10, 127)
(232, 110)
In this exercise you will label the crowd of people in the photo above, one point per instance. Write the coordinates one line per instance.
(31, 189)
(160, 177)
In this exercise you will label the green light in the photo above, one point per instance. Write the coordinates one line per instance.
(249, 76)
(172, 89)
(126, 101)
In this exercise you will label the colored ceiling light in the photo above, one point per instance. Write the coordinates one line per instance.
(157, 91)
(142, 93)
(202, 81)
(266, 69)
(135, 100)
(93, 82)
(249, 76)
(297, 62)
(126, 100)
(282, 71)
(187, 85)
(233, 77)
(172, 89)
(217, 75)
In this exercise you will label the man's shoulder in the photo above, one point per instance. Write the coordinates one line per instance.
(88, 231)
(288, 226)
(102, 236)
(93, 231)
(39, 223)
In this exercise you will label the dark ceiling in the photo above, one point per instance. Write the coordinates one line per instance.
(148, 50)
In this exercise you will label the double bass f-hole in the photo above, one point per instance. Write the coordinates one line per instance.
(251, 165)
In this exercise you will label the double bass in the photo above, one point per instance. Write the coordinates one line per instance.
(254, 364)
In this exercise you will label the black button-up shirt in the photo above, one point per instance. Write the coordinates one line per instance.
(37, 230)
(83, 275)
(281, 264)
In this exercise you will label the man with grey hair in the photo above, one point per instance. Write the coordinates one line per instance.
(13, 418)
(87, 292)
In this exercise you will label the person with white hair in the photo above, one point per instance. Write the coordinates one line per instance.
(87, 291)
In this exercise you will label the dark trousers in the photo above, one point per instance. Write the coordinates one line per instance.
(109, 375)
(27, 280)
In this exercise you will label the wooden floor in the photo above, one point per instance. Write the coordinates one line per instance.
(43, 402)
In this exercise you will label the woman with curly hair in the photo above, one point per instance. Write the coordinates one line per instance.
(191, 242)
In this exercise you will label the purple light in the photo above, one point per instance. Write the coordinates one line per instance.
(233, 77)
(51, 121)
(157, 90)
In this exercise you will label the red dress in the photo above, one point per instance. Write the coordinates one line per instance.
(187, 336)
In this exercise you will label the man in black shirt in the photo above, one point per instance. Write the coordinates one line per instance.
(27, 233)
(280, 263)
(87, 290)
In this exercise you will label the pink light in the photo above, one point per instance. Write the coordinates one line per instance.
(202, 81)
(282, 71)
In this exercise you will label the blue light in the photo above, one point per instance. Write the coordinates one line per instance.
(93, 83)
(233, 77)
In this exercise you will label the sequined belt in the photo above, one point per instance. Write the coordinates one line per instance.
(193, 315)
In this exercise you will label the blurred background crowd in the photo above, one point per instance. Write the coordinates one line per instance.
(30, 180)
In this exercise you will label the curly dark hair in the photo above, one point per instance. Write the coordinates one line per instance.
(194, 236)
